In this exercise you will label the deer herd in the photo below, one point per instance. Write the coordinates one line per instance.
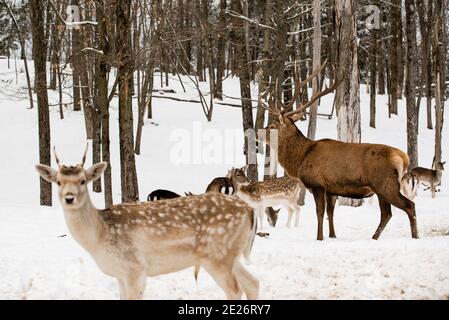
(169, 232)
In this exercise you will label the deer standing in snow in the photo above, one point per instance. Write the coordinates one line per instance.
(262, 194)
(330, 168)
(132, 241)
(430, 177)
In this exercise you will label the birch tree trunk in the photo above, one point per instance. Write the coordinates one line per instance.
(316, 64)
(348, 94)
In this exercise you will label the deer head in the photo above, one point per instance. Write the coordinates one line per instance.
(238, 176)
(72, 180)
(284, 122)
(440, 165)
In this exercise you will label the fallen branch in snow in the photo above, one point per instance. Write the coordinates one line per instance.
(197, 101)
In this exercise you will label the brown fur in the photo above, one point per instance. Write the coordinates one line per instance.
(430, 177)
(263, 194)
(330, 168)
(219, 183)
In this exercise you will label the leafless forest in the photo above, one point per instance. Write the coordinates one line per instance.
(397, 48)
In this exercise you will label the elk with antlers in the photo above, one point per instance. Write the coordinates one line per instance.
(132, 241)
(330, 168)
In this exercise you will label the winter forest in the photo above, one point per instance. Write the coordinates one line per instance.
(213, 149)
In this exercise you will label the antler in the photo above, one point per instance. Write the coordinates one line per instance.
(301, 84)
(294, 115)
(83, 161)
(276, 110)
(56, 157)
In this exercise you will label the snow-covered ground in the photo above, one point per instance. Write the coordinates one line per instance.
(38, 262)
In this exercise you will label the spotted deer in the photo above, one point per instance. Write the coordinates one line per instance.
(260, 195)
(133, 241)
(432, 178)
(330, 168)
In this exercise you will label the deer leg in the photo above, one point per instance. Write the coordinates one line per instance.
(319, 204)
(330, 206)
(261, 214)
(121, 287)
(297, 210)
(135, 285)
(385, 216)
(408, 206)
(432, 189)
(248, 283)
(290, 214)
(225, 279)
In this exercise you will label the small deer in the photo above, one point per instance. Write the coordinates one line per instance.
(222, 185)
(161, 194)
(432, 178)
(330, 168)
(274, 192)
(409, 185)
(132, 241)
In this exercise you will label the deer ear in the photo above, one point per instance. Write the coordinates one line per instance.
(95, 172)
(46, 172)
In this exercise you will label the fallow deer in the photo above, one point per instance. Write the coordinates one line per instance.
(330, 168)
(430, 177)
(132, 241)
(218, 185)
(161, 194)
(222, 185)
(282, 191)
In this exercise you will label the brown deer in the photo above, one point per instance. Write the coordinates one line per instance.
(283, 191)
(132, 241)
(430, 177)
(330, 168)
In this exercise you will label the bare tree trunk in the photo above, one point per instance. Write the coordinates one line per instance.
(373, 77)
(76, 64)
(411, 83)
(316, 64)
(247, 113)
(426, 58)
(102, 100)
(396, 55)
(438, 53)
(221, 47)
(37, 9)
(348, 94)
(130, 191)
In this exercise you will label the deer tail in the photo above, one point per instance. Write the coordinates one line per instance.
(195, 273)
